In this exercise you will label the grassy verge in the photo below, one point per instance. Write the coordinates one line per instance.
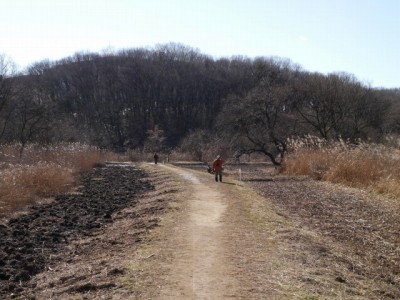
(371, 166)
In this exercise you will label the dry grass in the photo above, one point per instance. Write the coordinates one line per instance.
(42, 171)
(21, 185)
(344, 242)
(372, 166)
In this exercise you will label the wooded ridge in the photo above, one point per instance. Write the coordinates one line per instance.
(174, 95)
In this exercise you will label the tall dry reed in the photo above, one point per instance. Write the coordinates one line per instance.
(364, 165)
(42, 171)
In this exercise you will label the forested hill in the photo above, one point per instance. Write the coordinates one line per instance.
(123, 100)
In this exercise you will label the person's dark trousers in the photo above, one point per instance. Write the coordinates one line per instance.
(218, 174)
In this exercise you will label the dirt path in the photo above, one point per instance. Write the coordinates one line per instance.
(216, 241)
(200, 268)
(222, 242)
(295, 238)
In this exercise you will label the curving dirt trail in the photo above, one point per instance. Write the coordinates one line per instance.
(200, 269)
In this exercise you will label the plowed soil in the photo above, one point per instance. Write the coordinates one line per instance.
(31, 243)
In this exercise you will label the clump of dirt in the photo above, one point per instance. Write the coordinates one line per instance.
(30, 243)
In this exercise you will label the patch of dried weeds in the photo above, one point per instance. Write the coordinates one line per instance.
(42, 171)
(344, 242)
(364, 165)
(24, 184)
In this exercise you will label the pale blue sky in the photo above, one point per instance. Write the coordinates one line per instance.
(361, 37)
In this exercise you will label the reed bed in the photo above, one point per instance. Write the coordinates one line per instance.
(364, 165)
(42, 171)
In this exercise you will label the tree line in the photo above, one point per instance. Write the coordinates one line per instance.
(174, 95)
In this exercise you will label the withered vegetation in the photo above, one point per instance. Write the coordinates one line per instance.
(344, 242)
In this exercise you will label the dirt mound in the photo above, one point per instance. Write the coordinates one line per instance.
(29, 243)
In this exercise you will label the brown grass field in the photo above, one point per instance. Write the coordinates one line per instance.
(367, 166)
(42, 171)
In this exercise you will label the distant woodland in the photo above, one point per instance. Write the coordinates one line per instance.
(172, 97)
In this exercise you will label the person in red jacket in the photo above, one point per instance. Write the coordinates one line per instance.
(217, 167)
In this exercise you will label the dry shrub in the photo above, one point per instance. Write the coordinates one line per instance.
(179, 156)
(84, 161)
(374, 166)
(12, 196)
(112, 156)
(307, 156)
(303, 162)
(356, 168)
(140, 155)
(45, 179)
(42, 171)
(21, 185)
(76, 156)
(389, 187)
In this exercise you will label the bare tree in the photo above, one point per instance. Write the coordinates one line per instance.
(338, 105)
(156, 140)
(321, 103)
(260, 122)
(196, 143)
(33, 113)
(7, 71)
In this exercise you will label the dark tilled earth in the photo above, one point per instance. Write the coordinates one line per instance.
(27, 242)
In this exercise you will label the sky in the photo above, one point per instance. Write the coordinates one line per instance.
(359, 37)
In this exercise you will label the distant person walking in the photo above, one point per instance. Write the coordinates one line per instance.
(217, 168)
(155, 158)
